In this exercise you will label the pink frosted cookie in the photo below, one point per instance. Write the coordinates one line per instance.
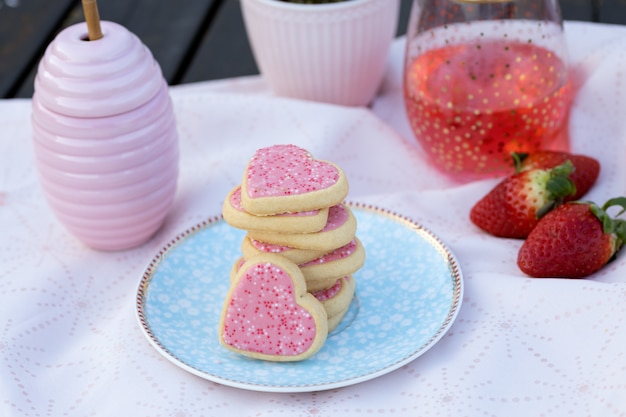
(286, 178)
(322, 272)
(339, 230)
(301, 222)
(269, 315)
(251, 247)
(336, 300)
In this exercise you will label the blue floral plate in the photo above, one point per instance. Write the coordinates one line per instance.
(408, 294)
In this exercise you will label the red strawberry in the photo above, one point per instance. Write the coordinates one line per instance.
(585, 174)
(513, 207)
(574, 240)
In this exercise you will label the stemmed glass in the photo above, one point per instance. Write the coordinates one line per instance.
(483, 79)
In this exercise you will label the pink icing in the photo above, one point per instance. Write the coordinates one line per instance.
(240, 263)
(342, 252)
(328, 293)
(283, 170)
(269, 247)
(337, 216)
(262, 314)
(235, 201)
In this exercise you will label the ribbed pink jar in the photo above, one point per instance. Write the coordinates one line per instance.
(105, 138)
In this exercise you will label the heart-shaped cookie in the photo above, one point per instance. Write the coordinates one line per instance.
(269, 315)
(286, 178)
(339, 230)
(325, 270)
(251, 247)
(309, 221)
(336, 300)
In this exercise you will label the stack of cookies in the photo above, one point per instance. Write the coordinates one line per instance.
(291, 206)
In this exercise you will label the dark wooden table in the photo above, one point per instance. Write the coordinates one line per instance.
(193, 40)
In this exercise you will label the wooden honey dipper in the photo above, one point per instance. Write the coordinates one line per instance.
(92, 17)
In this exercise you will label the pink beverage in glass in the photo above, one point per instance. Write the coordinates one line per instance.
(482, 91)
(105, 139)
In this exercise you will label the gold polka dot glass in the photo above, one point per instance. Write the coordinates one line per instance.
(483, 79)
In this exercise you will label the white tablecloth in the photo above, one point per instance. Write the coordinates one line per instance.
(70, 344)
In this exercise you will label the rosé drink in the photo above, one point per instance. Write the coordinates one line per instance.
(471, 109)
(475, 92)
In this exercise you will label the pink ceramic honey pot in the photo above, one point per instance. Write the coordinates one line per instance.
(105, 138)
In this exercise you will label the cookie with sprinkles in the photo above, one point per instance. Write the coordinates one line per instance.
(340, 229)
(251, 247)
(336, 300)
(269, 315)
(299, 222)
(286, 178)
(321, 273)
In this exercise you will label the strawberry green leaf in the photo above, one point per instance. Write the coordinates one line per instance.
(610, 225)
(617, 201)
(565, 168)
(559, 184)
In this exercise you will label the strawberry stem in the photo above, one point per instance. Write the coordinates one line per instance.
(518, 160)
(612, 225)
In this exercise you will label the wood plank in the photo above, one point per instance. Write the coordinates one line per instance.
(171, 30)
(224, 52)
(403, 20)
(168, 28)
(612, 11)
(577, 9)
(24, 27)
